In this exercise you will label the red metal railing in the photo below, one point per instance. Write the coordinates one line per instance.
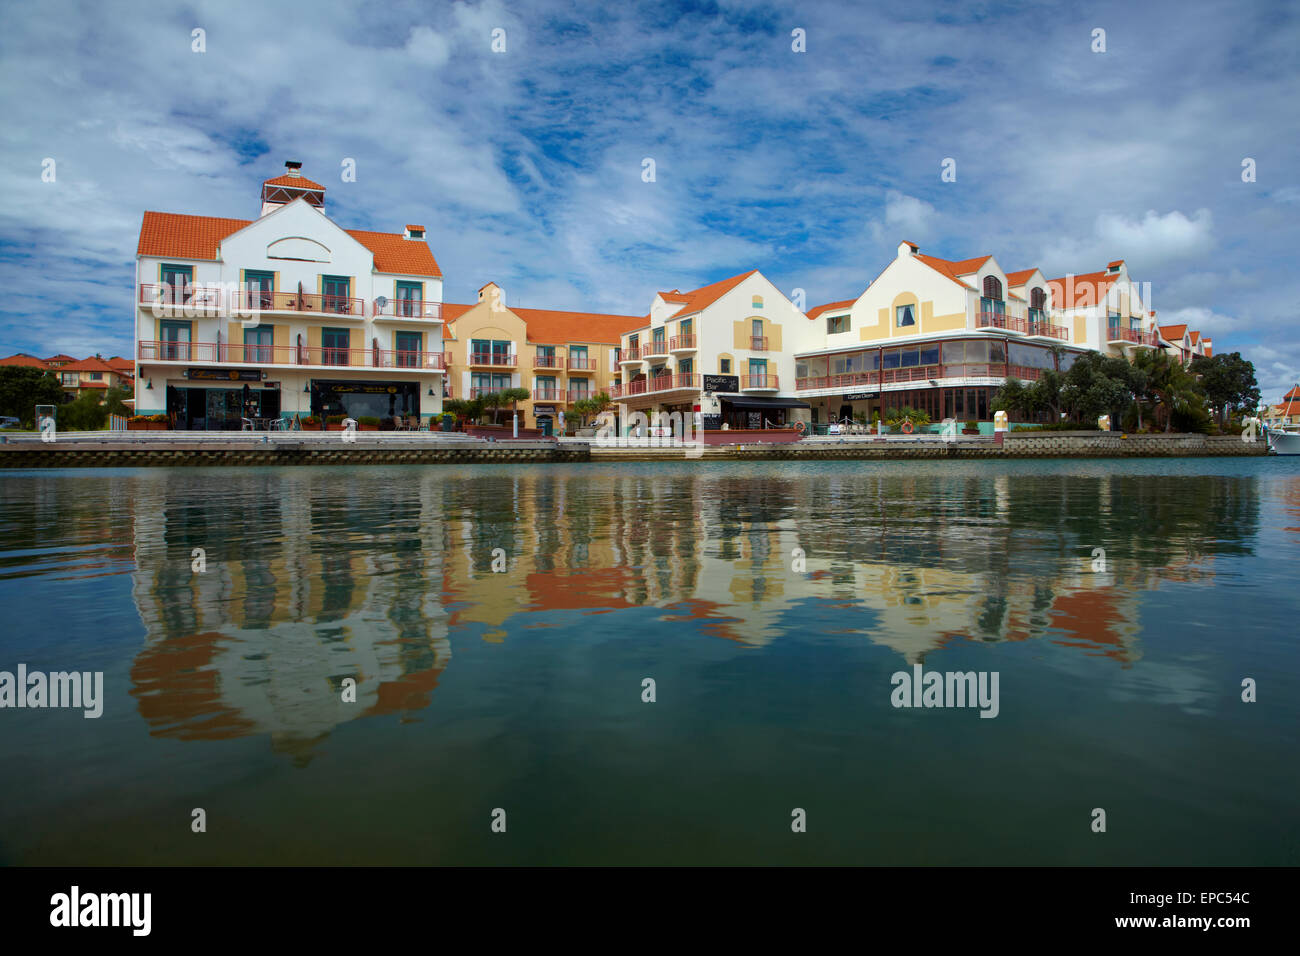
(547, 361)
(656, 347)
(581, 364)
(923, 373)
(999, 320)
(1117, 333)
(289, 355)
(664, 383)
(577, 396)
(408, 309)
(681, 343)
(758, 381)
(550, 395)
(249, 300)
(181, 300)
(495, 359)
(630, 355)
(1049, 330)
(758, 343)
(478, 391)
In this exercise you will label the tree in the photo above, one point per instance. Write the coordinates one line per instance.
(1097, 384)
(591, 406)
(1228, 382)
(465, 409)
(115, 401)
(1176, 392)
(84, 414)
(514, 396)
(23, 388)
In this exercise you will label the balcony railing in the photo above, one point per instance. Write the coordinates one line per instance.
(758, 343)
(655, 348)
(550, 395)
(494, 359)
(478, 391)
(921, 373)
(758, 381)
(1116, 333)
(1000, 320)
(578, 364)
(1048, 330)
(408, 309)
(250, 300)
(680, 380)
(181, 300)
(681, 343)
(290, 355)
(577, 396)
(548, 361)
(630, 355)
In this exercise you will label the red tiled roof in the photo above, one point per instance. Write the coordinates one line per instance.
(703, 297)
(1173, 333)
(178, 236)
(557, 328)
(124, 364)
(1086, 290)
(1293, 394)
(60, 358)
(417, 228)
(295, 182)
(1291, 407)
(26, 361)
(1019, 278)
(952, 269)
(451, 311)
(819, 309)
(1112, 265)
(92, 364)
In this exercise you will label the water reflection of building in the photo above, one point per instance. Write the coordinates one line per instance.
(295, 598)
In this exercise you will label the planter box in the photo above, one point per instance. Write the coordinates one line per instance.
(748, 436)
(500, 432)
(147, 426)
(335, 428)
(367, 428)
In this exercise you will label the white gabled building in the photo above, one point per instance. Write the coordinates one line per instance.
(287, 315)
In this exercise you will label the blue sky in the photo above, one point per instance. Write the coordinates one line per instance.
(526, 165)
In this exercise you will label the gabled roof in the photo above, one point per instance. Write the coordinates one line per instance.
(1288, 407)
(703, 297)
(1173, 333)
(953, 270)
(26, 361)
(1015, 279)
(451, 311)
(1294, 394)
(557, 327)
(178, 236)
(294, 182)
(819, 309)
(1086, 290)
(1196, 337)
(92, 364)
(61, 357)
(124, 364)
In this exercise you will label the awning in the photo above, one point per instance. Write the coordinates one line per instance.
(761, 403)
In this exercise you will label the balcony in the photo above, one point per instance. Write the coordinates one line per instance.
(186, 302)
(758, 383)
(629, 356)
(480, 391)
(919, 374)
(758, 343)
(677, 382)
(551, 362)
(493, 360)
(681, 343)
(1047, 330)
(254, 300)
(408, 309)
(550, 395)
(1000, 320)
(579, 364)
(579, 395)
(655, 349)
(290, 355)
(1117, 335)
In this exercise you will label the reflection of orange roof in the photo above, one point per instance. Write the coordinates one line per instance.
(179, 693)
(578, 589)
(178, 236)
(1091, 616)
(819, 309)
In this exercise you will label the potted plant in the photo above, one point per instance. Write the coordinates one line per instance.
(972, 428)
(334, 423)
(309, 421)
(367, 423)
(148, 423)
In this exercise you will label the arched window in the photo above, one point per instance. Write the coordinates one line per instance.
(1037, 299)
(992, 287)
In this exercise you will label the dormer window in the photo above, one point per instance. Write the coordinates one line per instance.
(414, 232)
(991, 302)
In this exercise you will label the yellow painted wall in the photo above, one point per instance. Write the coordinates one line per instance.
(946, 323)
(729, 357)
(1080, 329)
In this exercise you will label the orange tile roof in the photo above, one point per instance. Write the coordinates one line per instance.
(819, 309)
(1173, 333)
(1293, 394)
(451, 311)
(1113, 264)
(60, 358)
(698, 299)
(178, 236)
(125, 364)
(951, 269)
(296, 182)
(1196, 337)
(550, 327)
(1020, 278)
(26, 361)
(90, 385)
(91, 364)
(1086, 290)
(410, 226)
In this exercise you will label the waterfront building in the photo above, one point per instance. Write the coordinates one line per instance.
(725, 350)
(93, 374)
(1185, 344)
(284, 316)
(560, 357)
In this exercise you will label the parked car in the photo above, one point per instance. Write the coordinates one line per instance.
(8, 422)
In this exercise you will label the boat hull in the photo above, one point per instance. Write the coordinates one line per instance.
(1284, 443)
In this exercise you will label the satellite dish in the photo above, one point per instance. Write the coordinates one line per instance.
(381, 301)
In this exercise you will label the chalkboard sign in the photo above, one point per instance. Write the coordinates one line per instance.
(755, 419)
(710, 422)
(722, 383)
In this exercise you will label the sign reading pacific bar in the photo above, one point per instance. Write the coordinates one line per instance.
(223, 375)
(721, 383)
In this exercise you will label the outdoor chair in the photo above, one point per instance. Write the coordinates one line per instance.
(399, 424)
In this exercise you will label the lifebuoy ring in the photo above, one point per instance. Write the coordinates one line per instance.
(907, 426)
(798, 426)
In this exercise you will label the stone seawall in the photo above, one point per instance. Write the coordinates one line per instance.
(71, 455)
(1028, 445)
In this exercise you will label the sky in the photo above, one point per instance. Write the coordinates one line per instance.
(527, 164)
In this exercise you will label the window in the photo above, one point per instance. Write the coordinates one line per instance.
(258, 343)
(408, 349)
(96, 376)
(758, 373)
(632, 341)
(546, 356)
(175, 341)
(409, 296)
(579, 387)
(757, 302)
(908, 357)
(334, 346)
(930, 354)
(578, 357)
(891, 359)
(685, 367)
(992, 287)
(658, 341)
(684, 327)
(836, 324)
(336, 291)
(70, 379)
(545, 385)
(259, 288)
(1037, 299)
(724, 366)
(178, 280)
(906, 316)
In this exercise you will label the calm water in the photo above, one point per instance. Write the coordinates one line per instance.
(521, 690)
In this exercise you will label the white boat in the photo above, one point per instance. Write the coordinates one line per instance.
(1284, 441)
